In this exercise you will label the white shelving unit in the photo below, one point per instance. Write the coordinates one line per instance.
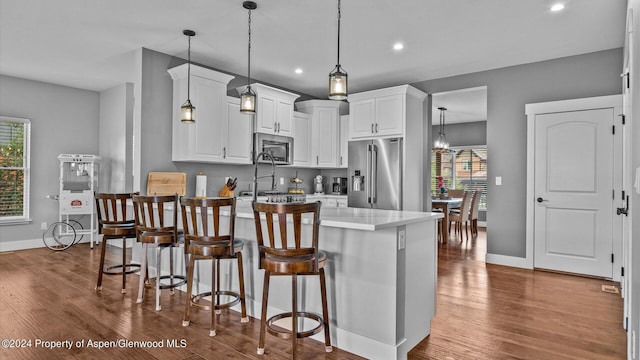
(78, 181)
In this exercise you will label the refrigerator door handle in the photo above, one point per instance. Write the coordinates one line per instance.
(374, 175)
(368, 174)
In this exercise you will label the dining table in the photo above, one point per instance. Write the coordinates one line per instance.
(445, 205)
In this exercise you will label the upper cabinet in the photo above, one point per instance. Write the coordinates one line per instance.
(220, 133)
(343, 144)
(325, 130)
(302, 139)
(274, 109)
(381, 113)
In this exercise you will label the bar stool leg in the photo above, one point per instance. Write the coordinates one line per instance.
(243, 303)
(171, 290)
(101, 270)
(143, 272)
(214, 275)
(325, 312)
(187, 306)
(263, 319)
(216, 293)
(158, 272)
(294, 314)
(124, 266)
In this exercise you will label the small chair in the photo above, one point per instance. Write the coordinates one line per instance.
(473, 212)
(202, 241)
(285, 257)
(459, 216)
(154, 228)
(115, 223)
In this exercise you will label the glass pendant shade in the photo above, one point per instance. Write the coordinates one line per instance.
(248, 101)
(188, 112)
(338, 82)
(441, 144)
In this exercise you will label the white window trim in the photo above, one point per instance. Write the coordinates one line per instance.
(25, 218)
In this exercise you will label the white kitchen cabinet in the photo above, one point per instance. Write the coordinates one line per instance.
(219, 134)
(274, 109)
(302, 139)
(343, 143)
(381, 113)
(325, 115)
(342, 203)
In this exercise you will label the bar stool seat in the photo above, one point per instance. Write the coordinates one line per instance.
(114, 223)
(288, 257)
(203, 241)
(154, 228)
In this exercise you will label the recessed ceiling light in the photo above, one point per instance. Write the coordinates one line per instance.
(557, 7)
(298, 71)
(398, 46)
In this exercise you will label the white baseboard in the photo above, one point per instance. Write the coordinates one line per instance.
(512, 261)
(37, 243)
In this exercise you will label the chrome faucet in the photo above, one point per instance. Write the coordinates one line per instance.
(256, 177)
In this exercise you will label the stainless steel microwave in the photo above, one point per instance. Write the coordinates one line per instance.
(279, 147)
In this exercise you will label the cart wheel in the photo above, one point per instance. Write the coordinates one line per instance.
(59, 236)
(77, 226)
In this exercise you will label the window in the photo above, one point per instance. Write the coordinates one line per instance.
(15, 134)
(470, 173)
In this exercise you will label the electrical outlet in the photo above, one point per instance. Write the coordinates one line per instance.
(402, 240)
(498, 180)
(43, 226)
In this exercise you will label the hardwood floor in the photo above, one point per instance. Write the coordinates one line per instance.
(483, 312)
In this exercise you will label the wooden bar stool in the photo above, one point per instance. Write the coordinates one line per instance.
(284, 257)
(203, 241)
(154, 228)
(115, 223)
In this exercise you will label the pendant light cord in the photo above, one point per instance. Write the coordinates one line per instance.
(249, 53)
(189, 71)
(339, 16)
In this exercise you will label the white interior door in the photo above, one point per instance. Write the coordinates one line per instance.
(573, 212)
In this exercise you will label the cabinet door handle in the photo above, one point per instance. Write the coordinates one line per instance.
(278, 127)
(224, 152)
(376, 127)
(275, 127)
(372, 128)
(317, 159)
(340, 160)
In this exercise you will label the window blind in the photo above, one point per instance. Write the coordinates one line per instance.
(14, 168)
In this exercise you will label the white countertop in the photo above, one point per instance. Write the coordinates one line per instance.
(358, 218)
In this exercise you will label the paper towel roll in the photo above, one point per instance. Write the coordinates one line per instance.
(201, 185)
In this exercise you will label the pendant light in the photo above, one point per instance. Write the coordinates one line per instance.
(338, 77)
(248, 97)
(441, 144)
(187, 110)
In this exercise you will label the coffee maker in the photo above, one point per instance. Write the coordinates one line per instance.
(339, 186)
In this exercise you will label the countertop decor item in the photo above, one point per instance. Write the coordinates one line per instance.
(201, 186)
(166, 183)
(248, 97)
(187, 109)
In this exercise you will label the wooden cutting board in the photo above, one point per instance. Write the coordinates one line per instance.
(166, 183)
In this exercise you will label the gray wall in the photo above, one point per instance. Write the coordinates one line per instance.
(156, 128)
(63, 120)
(464, 134)
(508, 90)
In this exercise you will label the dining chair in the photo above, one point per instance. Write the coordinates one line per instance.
(473, 212)
(461, 215)
(455, 193)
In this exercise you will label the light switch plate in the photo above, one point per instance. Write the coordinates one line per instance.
(402, 239)
(498, 180)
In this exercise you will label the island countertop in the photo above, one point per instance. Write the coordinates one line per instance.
(356, 218)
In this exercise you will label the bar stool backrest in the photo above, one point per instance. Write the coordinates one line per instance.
(150, 217)
(286, 246)
(196, 225)
(111, 209)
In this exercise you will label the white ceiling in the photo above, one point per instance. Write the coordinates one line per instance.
(91, 44)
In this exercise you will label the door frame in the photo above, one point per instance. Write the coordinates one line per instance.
(531, 110)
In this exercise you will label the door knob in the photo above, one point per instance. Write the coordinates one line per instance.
(540, 200)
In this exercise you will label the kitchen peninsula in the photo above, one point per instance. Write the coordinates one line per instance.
(381, 277)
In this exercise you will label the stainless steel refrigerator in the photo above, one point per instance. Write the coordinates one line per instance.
(375, 174)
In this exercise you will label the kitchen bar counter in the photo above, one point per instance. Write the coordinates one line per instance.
(381, 277)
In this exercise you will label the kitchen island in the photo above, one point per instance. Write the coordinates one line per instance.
(381, 277)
